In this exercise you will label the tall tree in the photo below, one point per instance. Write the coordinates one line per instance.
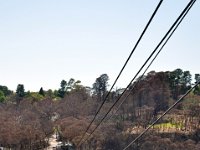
(100, 86)
(197, 89)
(186, 79)
(180, 82)
(62, 90)
(70, 82)
(197, 77)
(70, 85)
(41, 92)
(20, 90)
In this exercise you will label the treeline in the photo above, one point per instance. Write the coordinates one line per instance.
(28, 119)
(177, 82)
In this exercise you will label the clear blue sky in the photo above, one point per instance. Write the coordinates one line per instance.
(45, 41)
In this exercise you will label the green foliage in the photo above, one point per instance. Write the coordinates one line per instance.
(70, 83)
(73, 85)
(2, 97)
(197, 77)
(180, 82)
(61, 93)
(5, 90)
(100, 85)
(168, 125)
(67, 87)
(20, 90)
(41, 92)
(63, 84)
(62, 90)
(197, 89)
(36, 96)
(50, 94)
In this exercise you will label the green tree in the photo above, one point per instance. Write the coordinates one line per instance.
(67, 87)
(197, 89)
(41, 92)
(20, 90)
(62, 90)
(100, 86)
(63, 84)
(179, 81)
(77, 85)
(73, 85)
(2, 97)
(186, 79)
(197, 77)
(50, 94)
(70, 84)
(5, 90)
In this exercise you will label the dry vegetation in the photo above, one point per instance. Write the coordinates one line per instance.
(28, 123)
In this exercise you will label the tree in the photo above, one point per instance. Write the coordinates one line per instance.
(5, 90)
(70, 85)
(62, 90)
(185, 81)
(50, 94)
(100, 86)
(41, 92)
(197, 89)
(63, 84)
(180, 82)
(2, 97)
(197, 77)
(77, 85)
(175, 80)
(20, 90)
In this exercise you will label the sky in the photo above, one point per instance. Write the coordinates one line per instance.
(45, 41)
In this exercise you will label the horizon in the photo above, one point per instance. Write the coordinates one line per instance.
(53, 89)
(46, 42)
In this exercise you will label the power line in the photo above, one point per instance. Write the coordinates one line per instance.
(143, 32)
(163, 114)
(150, 63)
(193, 1)
(166, 35)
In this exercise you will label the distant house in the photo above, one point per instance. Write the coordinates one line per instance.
(65, 146)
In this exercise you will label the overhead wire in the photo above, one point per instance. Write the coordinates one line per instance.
(137, 82)
(165, 36)
(178, 101)
(138, 41)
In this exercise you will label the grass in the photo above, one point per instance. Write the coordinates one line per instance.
(168, 125)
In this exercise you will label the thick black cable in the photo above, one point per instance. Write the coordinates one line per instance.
(143, 32)
(177, 20)
(150, 63)
(173, 104)
(178, 101)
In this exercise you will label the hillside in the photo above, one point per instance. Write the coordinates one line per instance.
(29, 119)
